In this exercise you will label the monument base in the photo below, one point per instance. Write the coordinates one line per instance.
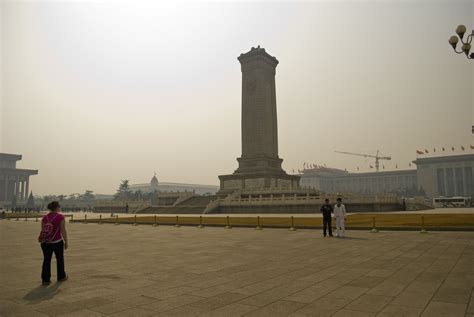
(259, 180)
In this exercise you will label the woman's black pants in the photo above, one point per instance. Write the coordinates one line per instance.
(327, 225)
(48, 250)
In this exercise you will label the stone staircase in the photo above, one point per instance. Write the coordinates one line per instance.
(193, 205)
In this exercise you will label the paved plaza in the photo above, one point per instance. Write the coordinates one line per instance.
(125, 270)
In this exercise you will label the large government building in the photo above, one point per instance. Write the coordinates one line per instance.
(154, 185)
(14, 182)
(433, 176)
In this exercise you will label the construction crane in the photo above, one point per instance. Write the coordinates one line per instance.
(376, 156)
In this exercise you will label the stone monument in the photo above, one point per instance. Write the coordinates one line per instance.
(259, 165)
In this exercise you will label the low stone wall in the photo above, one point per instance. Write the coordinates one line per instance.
(299, 208)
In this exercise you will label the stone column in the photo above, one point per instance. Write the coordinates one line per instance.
(17, 188)
(445, 182)
(464, 182)
(27, 186)
(6, 187)
(23, 195)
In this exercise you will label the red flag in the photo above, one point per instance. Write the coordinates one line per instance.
(419, 152)
(462, 148)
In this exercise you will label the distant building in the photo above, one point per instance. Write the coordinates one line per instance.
(335, 180)
(154, 185)
(435, 176)
(14, 182)
(446, 175)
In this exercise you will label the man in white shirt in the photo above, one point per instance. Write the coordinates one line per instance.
(339, 216)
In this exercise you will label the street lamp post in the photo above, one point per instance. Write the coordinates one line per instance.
(466, 42)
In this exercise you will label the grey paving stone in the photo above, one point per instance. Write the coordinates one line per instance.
(352, 313)
(349, 292)
(396, 310)
(255, 288)
(110, 308)
(171, 303)
(325, 306)
(83, 313)
(133, 312)
(231, 310)
(412, 299)
(470, 307)
(452, 295)
(238, 271)
(369, 303)
(137, 300)
(274, 294)
(311, 293)
(187, 311)
(444, 309)
(217, 301)
(387, 288)
(172, 292)
(59, 309)
(366, 281)
(278, 308)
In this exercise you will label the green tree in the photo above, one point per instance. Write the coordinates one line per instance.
(14, 201)
(123, 192)
(72, 197)
(88, 196)
(137, 195)
(30, 203)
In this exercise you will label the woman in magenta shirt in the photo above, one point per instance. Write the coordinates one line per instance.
(53, 239)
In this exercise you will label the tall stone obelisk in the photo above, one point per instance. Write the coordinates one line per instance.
(259, 165)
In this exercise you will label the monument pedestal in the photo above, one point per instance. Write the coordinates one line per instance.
(260, 180)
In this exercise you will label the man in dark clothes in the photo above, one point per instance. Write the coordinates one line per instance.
(327, 210)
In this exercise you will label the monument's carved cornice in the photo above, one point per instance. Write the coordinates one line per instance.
(257, 54)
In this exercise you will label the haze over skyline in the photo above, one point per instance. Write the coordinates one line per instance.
(93, 93)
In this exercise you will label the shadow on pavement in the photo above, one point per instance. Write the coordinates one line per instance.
(351, 238)
(42, 293)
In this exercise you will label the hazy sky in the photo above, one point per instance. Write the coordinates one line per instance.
(96, 92)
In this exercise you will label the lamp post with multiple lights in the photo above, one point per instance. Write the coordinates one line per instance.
(466, 42)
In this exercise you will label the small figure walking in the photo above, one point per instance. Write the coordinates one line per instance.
(53, 239)
(340, 216)
(327, 210)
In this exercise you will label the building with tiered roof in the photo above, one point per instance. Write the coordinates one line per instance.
(14, 182)
(154, 185)
(434, 176)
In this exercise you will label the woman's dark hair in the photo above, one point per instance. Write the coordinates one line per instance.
(53, 205)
